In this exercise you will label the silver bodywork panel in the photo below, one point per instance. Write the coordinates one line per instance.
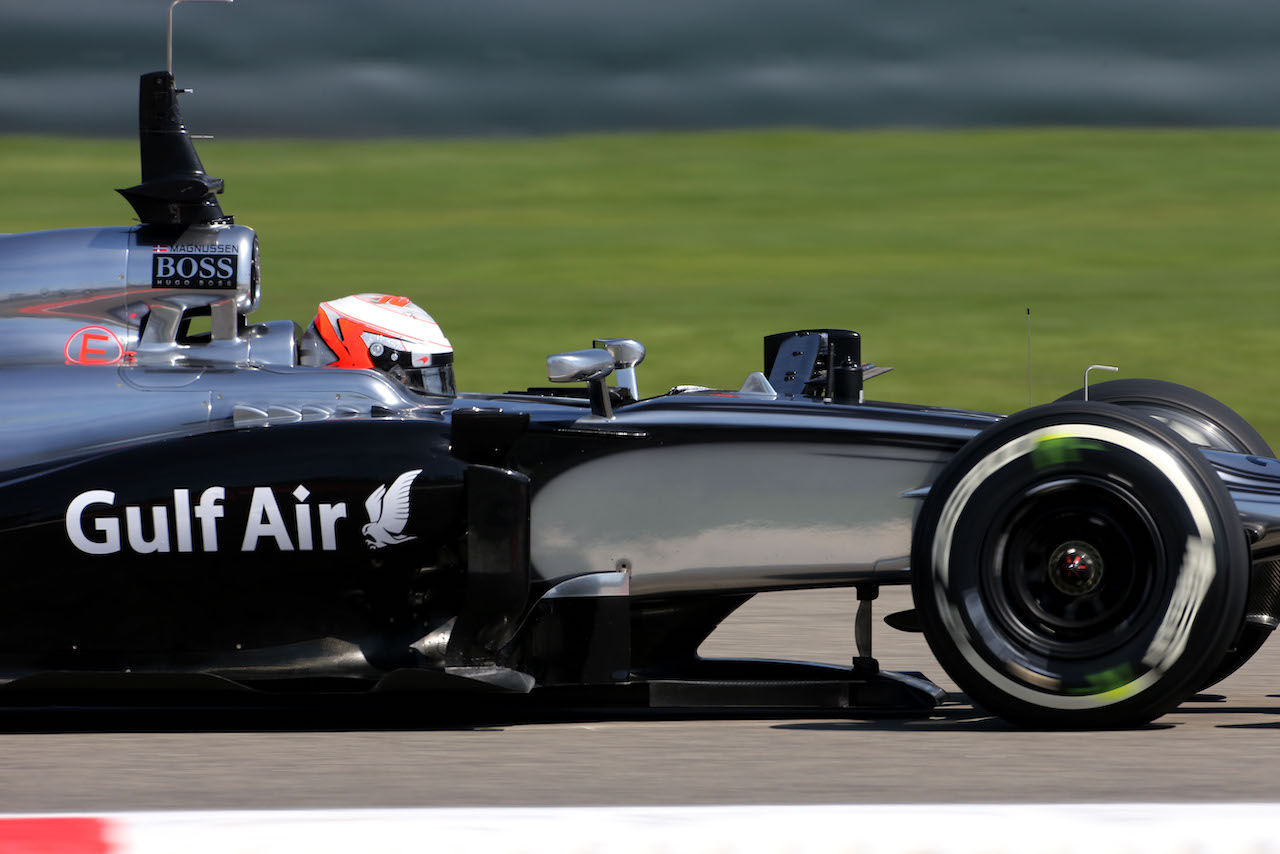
(109, 282)
(733, 516)
(43, 304)
(57, 410)
(94, 353)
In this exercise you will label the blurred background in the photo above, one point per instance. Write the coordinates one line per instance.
(697, 175)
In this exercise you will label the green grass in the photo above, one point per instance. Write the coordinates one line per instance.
(1151, 250)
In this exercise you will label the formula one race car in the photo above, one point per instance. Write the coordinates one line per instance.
(226, 509)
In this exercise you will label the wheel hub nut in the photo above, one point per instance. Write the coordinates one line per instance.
(1075, 568)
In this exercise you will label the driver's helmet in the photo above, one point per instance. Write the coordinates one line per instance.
(383, 332)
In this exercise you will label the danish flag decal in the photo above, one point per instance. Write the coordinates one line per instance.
(388, 509)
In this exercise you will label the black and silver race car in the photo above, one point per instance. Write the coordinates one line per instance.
(204, 509)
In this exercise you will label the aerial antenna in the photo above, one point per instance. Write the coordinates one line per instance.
(1029, 402)
(168, 54)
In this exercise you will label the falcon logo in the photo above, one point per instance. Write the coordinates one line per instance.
(388, 510)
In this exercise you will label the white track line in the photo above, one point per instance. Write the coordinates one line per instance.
(888, 829)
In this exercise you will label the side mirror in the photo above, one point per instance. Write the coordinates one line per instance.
(626, 353)
(579, 366)
(590, 366)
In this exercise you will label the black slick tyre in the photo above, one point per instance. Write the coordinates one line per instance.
(1079, 565)
(1207, 423)
(1200, 419)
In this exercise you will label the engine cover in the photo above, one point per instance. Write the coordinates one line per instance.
(104, 295)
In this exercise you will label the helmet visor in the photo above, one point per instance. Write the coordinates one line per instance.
(433, 381)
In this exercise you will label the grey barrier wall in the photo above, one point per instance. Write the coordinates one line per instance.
(464, 67)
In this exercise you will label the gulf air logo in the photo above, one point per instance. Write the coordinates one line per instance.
(388, 509)
(93, 345)
(96, 524)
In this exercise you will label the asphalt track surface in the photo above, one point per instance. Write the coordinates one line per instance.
(295, 755)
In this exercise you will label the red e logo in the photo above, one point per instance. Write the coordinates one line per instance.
(93, 345)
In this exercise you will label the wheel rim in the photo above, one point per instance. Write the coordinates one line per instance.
(1075, 566)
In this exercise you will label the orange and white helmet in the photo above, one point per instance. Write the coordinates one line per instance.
(383, 332)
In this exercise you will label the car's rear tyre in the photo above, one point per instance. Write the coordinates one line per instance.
(1200, 419)
(1208, 423)
(1079, 565)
